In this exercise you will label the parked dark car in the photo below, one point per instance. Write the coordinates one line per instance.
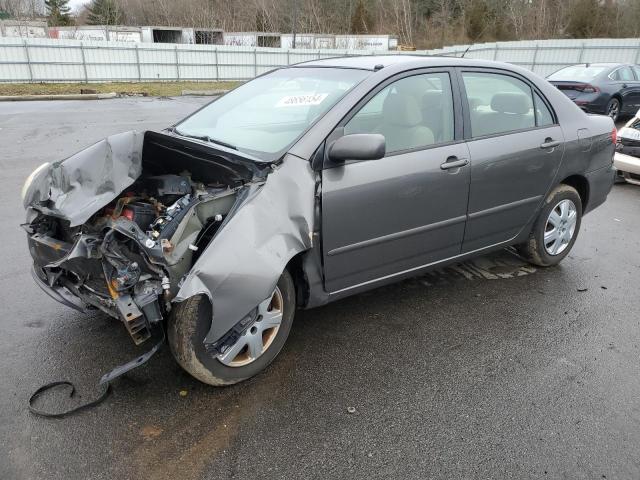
(606, 88)
(306, 185)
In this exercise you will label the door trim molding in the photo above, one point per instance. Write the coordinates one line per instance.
(397, 235)
(505, 206)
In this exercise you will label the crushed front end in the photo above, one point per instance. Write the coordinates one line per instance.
(118, 226)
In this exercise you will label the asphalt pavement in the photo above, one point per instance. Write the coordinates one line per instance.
(489, 369)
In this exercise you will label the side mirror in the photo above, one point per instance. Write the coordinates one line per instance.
(357, 146)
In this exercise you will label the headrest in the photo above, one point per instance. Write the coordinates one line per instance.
(402, 110)
(474, 102)
(511, 103)
(432, 99)
(413, 86)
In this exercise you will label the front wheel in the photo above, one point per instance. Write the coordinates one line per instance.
(556, 228)
(251, 353)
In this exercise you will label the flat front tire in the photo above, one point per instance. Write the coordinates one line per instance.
(190, 322)
(556, 229)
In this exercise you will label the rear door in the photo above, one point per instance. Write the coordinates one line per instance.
(629, 89)
(516, 147)
(383, 217)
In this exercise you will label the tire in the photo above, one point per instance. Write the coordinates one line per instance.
(190, 321)
(613, 109)
(539, 250)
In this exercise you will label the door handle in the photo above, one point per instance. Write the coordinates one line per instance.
(454, 162)
(549, 143)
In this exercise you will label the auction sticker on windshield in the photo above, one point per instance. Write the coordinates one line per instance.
(302, 100)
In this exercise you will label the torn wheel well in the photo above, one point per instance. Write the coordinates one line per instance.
(296, 270)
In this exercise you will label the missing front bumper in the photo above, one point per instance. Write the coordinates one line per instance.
(59, 293)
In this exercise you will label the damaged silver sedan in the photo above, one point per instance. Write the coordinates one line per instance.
(306, 185)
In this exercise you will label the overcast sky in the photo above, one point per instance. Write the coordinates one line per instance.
(76, 4)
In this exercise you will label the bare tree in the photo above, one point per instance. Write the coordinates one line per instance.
(419, 23)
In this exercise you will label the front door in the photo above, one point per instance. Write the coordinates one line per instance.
(383, 217)
(515, 146)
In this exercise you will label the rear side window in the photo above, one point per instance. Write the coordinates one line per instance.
(498, 103)
(543, 114)
(623, 74)
(636, 70)
(413, 112)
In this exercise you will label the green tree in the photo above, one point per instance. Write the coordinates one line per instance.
(59, 12)
(361, 22)
(104, 12)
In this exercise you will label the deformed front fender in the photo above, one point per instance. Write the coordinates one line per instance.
(241, 266)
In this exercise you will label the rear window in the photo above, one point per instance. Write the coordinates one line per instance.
(579, 73)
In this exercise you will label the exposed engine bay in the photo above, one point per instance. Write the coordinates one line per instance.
(129, 257)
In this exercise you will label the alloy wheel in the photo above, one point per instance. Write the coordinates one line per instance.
(560, 227)
(614, 108)
(259, 337)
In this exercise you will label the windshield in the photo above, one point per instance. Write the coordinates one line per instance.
(265, 116)
(578, 73)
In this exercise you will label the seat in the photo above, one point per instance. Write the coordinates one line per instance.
(509, 111)
(402, 123)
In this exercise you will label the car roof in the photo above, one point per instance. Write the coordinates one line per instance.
(370, 62)
(600, 64)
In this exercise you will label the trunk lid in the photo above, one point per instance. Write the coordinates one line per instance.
(572, 89)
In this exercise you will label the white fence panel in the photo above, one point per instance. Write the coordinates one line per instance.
(114, 64)
(14, 62)
(158, 62)
(198, 63)
(49, 60)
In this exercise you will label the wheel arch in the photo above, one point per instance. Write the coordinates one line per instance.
(581, 184)
(296, 269)
(618, 97)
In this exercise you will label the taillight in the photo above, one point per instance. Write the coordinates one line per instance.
(614, 135)
(590, 89)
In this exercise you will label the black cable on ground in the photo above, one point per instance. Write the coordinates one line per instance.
(105, 381)
(103, 396)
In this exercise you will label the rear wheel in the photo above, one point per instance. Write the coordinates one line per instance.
(251, 353)
(556, 228)
(613, 108)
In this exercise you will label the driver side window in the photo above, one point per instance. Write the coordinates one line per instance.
(413, 112)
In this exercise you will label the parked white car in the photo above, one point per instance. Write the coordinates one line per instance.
(627, 156)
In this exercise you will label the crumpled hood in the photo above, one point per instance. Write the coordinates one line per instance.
(76, 188)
